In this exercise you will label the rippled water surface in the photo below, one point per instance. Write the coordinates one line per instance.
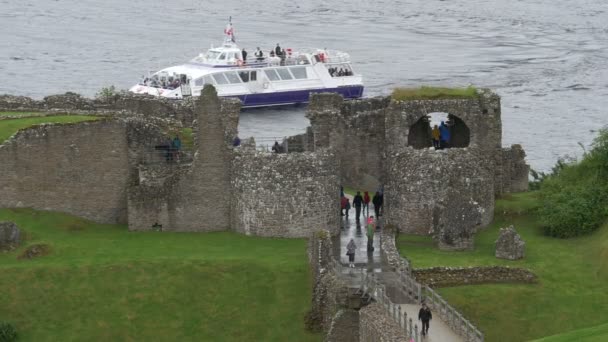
(546, 58)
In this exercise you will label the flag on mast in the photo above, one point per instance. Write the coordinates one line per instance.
(229, 30)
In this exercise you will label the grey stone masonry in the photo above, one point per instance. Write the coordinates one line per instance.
(376, 325)
(509, 244)
(10, 235)
(285, 195)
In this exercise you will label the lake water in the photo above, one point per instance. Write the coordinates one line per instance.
(546, 58)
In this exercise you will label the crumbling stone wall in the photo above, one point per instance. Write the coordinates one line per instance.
(376, 325)
(120, 104)
(355, 130)
(284, 195)
(457, 276)
(422, 181)
(512, 176)
(81, 169)
(195, 197)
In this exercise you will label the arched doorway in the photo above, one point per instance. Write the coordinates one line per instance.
(421, 133)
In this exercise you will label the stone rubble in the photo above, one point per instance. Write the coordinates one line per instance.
(510, 245)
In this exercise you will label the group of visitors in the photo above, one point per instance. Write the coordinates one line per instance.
(361, 203)
(171, 149)
(277, 52)
(169, 83)
(441, 136)
(335, 72)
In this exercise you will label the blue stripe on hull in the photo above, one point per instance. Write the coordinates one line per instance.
(297, 96)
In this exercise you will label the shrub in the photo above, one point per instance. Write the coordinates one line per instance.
(107, 94)
(575, 195)
(7, 332)
(424, 92)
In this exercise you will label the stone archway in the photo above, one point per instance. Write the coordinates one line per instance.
(420, 133)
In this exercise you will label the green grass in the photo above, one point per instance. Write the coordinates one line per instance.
(429, 93)
(594, 334)
(11, 126)
(104, 283)
(21, 113)
(572, 292)
(187, 139)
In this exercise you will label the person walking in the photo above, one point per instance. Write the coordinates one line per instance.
(425, 316)
(370, 234)
(176, 146)
(358, 203)
(366, 200)
(444, 135)
(377, 201)
(347, 207)
(343, 201)
(436, 136)
(351, 248)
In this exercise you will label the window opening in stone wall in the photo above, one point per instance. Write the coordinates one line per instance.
(429, 131)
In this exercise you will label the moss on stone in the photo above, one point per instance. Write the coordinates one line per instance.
(431, 93)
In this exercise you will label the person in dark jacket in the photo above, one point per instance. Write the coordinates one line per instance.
(244, 54)
(358, 203)
(377, 201)
(347, 207)
(176, 146)
(444, 135)
(278, 51)
(425, 316)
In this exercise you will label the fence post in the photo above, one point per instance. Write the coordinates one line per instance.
(416, 333)
(411, 328)
(400, 316)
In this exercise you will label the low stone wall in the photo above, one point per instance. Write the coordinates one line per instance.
(284, 195)
(330, 294)
(121, 104)
(390, 253)
(457, 276)
(375, 325)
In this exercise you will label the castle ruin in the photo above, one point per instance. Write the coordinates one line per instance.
(101, 170)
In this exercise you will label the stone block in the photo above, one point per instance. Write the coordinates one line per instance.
(10, 235)
(510, 244)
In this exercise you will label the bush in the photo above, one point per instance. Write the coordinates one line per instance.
(575, 195)
(107, 94)
(7, 332)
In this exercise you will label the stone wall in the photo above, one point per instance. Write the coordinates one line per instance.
(330, 294)
(512, 175)
(285, 195)
(120, 104)
(375, 325)
(457, 276)
(356, 131)
(81, 169)
(421, 183)
(192, 197)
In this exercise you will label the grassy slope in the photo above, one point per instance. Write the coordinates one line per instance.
(9, 127)
(427, 93)
(594, 334)
(573, 288)
(102, 282)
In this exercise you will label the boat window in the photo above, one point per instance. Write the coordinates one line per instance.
(222, 57)
(232, 77)
(244, 75)
(212, 55)
(220, 79)
(208, 79)
(299, 72)
(284, 73)
(272, 75)
(254, 75)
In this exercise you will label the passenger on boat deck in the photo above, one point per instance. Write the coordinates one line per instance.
(259, 54)
(244, 53)
(271, 53)
(278, 50)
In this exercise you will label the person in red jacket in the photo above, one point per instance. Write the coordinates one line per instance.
(366, 200)
(343, 202)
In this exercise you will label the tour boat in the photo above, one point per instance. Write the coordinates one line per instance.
(258, 80)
